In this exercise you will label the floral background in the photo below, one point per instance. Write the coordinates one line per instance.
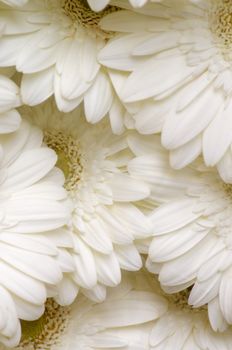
(116, 174)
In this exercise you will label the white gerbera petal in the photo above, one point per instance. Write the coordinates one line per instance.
(191, 242)
(38, 86)
(178, 58)
(105, 219)
(98, 5)
(14, 2)
(10, 99)
(123, 321)
(137, 315)
(32, 204)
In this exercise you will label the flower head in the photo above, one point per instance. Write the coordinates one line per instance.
(184, 326)
(105, 221)
(191, 242)
(178, 54)
(135, 315)
(122, 321)
(55, 45)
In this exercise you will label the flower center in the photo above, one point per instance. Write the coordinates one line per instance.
(220, 18)
(228, 190)
(180, 301)
(81, 14)
(69, 156)
(45, 332)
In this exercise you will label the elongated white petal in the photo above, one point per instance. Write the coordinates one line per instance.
(179, 214)
(129, 258)
(168, 247)
(225, 296)
(186, 154)
(126, 188)
(201, 106)
(124, 312)
(97, 5)
(170, 273)
(37, 87)
(67, 292)
(223, 167)
(222, 132)
(22, 285)
(85, 274)
(9, 94)
(98, 99)
(203, 293)
(9, 121)
(157, 83)
(108, 269)
(30, 167)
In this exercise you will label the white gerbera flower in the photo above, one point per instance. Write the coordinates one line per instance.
(191, 228)
(123, 321)
(136, 315)
(105, 222)
(183, 328)
(32, 244)
(180, 57)
(55, 44)
(9, 99)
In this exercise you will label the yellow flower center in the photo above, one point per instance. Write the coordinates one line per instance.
(180, 301)
(45, 332)
(228, 190)
(81, 14)
(220, 18)
(69, 156)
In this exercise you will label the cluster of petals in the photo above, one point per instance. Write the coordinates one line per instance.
(135, 315)
(55, 46)
(57, 54)
(105, 222)
(191, 242)
(176, 56)
(33, 245)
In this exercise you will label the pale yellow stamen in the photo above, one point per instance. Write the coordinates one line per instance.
(180, 301)
(81, 14)
(220, 18)
(69, 156)
(45, 332)
(228, 190)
